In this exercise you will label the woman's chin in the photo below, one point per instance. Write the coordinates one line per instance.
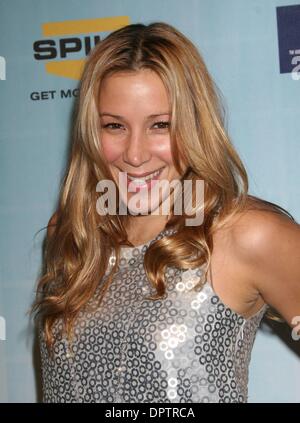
(143, 209)
(141, 205)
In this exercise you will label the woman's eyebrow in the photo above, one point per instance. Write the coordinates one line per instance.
(123, 118)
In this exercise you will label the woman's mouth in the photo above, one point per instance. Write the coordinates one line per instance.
(141, 182)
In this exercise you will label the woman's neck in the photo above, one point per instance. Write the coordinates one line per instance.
(142, 229)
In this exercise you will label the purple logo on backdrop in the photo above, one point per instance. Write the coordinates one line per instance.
(288, 25)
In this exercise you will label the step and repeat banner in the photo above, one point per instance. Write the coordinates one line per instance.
(252, 50)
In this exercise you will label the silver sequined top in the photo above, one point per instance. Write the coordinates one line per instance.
(186, 348)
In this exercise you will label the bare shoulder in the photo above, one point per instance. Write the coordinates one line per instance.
(258, 233)
(267, 244)
(51, 224)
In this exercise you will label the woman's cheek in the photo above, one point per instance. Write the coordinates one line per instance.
(111, 151)
(163, 151)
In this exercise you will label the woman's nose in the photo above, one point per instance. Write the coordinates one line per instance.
(136, 152)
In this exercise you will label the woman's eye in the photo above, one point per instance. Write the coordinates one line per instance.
(112, 125)
(162, 125)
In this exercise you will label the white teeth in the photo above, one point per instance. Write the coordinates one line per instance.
(141, 181)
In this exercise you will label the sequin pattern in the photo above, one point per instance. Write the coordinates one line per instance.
(188, 347)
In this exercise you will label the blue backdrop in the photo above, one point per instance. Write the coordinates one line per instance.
(39, 65)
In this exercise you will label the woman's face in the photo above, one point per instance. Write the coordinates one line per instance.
(135, 118)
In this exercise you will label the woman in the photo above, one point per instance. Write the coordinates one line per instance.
(140, 306)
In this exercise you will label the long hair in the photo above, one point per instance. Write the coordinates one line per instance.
(78, 252)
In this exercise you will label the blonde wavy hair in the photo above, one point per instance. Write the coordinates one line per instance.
(77, 253)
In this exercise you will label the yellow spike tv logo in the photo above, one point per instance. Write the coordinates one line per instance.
(72, 39)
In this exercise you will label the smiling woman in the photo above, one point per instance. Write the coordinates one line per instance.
(137, 144)
(141, 307)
